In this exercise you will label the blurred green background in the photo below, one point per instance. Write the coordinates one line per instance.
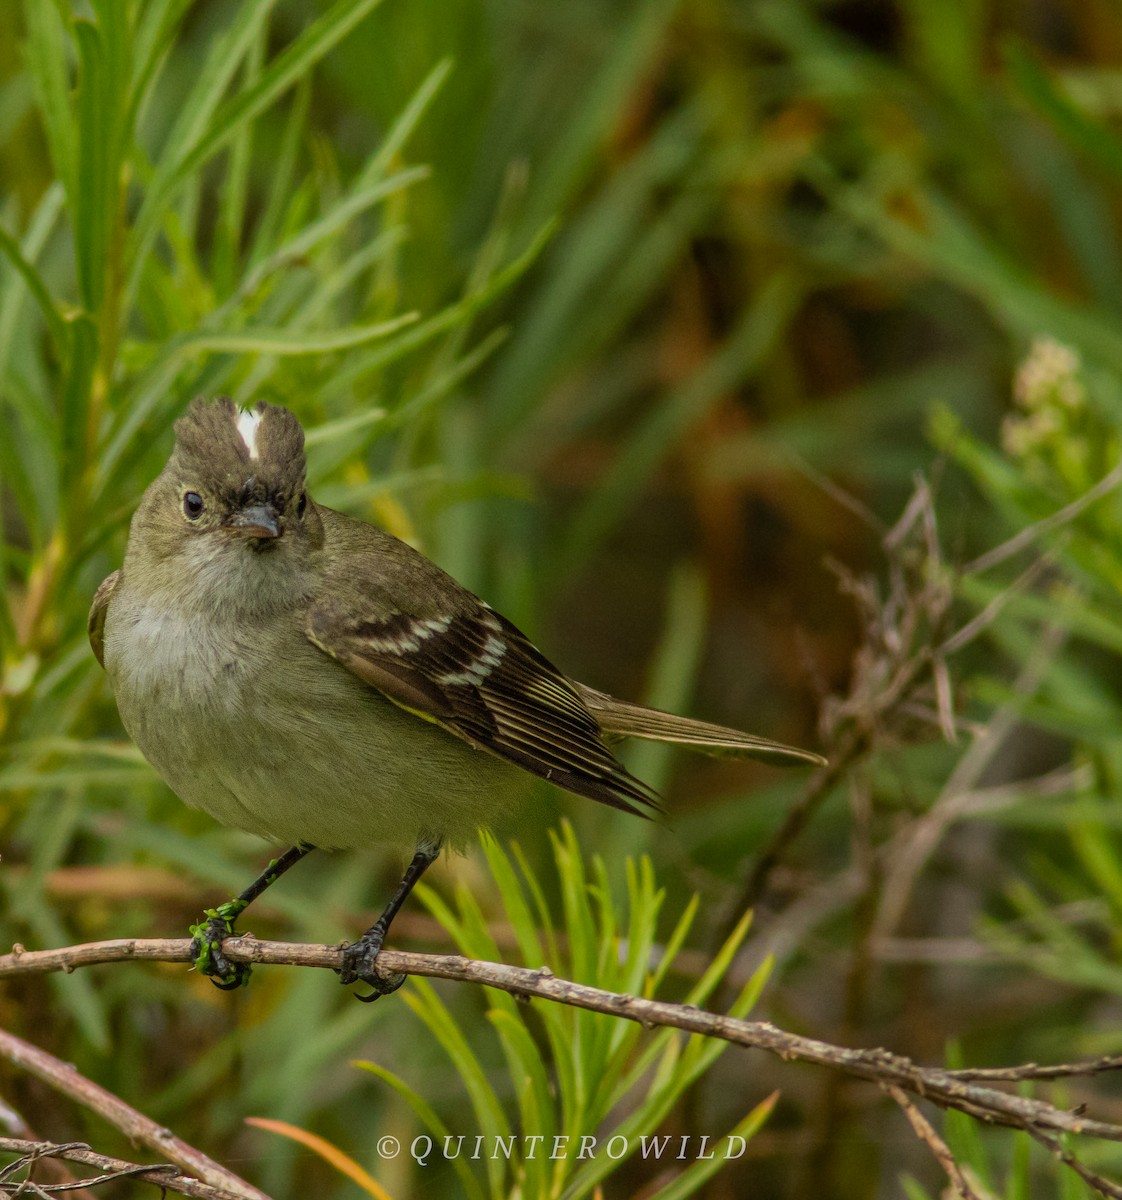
(643, 319)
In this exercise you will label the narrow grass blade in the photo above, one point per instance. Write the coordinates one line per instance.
(282, 73)
(427, 1115)
(47, 58)
(343, 1163)
(56, 325)
(698, 1173)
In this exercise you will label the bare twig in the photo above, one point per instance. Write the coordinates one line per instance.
(53, 1169)
(989, 613)
(1094, 1066)
(914, 847)
(779, 937)
(1101, 1184)
(161, 1175)
(1061, 516)
(65, 1079)
(900, 663)
(925, 1131)
(851, 748)
(902, 657)
(947, 1089)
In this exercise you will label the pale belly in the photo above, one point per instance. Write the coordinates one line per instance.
(310, 755)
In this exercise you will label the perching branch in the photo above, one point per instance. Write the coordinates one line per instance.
(944, 1088)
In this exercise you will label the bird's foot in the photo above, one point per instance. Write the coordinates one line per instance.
(206, 948)
(360, 963)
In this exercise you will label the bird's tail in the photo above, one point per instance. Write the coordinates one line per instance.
(619, 719)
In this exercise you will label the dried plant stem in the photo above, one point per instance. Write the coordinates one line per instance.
(65, 1079)
(925, 1131)
(163, 1176)
(1062, 516)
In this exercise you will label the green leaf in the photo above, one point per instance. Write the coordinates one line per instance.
(56, 324)
(674, 667)
(283, 173)
(489, 1112)
(76, 398)
(722, 960)
(532, 1087)
(698, 1173)
(327, 226)
(103, 53)
(514, 902)
(427, 1114)
(405, 124)
(207, 136)
(448, 318)
(673, 945)
(1099, 855)
(287, 343)
(47, 52)
(230, 226)
(1090, 137)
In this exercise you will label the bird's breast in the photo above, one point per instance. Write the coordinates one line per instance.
(251, 723)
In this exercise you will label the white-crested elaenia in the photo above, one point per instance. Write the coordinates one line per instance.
(312, 679)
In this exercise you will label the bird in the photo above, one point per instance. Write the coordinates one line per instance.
(310, 678)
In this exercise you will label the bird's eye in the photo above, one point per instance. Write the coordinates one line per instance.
(302, 504)
(193, 506)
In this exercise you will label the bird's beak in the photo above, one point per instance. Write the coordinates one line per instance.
(257, 521)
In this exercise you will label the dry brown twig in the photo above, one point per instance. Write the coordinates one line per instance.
(161, 1175)
(900, 692)
(925, 1131)
(64, 1078)
(900, 668)
(53, 1169)
(948, 1089)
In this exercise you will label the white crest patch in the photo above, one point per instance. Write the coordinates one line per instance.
(248, 420)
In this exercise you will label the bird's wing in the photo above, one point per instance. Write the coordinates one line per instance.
(96, 622)
(480, 678)
(620, 719)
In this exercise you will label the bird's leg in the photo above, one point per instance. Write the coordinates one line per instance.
(359, 957)
(208, 935)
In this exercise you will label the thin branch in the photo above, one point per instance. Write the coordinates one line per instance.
(850, 748)
(925, 1131)
(947, 1089)
(986, 615)
(1025, 537)
(1094, 1066)
(1101, 1185)
(915, 846)
(65, 1079)
(161, 1175)
(780, 936)
(53, 1169)
(900, 660)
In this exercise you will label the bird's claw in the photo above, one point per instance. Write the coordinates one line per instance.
(360, 964)
(206, 947)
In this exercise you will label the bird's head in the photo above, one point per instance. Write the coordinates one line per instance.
(231, 507)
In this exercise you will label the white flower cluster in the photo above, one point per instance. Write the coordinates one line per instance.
(1046, 387)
